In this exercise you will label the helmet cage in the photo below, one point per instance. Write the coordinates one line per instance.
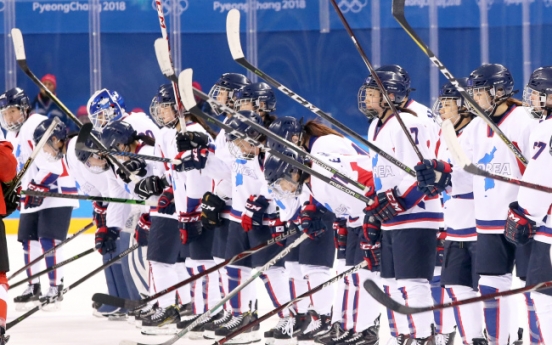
(532, 96)
(370, 113)
(154, 108)
(441, 103)
(14, 126)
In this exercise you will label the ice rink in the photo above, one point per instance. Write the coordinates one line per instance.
(75, 324)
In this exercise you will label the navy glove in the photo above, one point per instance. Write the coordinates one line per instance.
(135, 166)
(189, 225)
(211, 207)
(519, 229)
(141, 232)
(386, 206)
(99, 214)
(340, 234)
(191, 140)
(151, 185)
(165, 204)
(35, 201)
(12, 201)
(311, 219)
(192, 159)
(105, 239)
(277, 227)
(433, 176)
(252, 217)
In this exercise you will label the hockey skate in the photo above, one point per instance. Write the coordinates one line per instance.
(54, 296)
(144, 313)
(3, 337)
(269, 335)
(445, 339)
(104, 310)
(401, 339)
(423, 341)
(519, 340)
(119, 315)
(29, 298)
(210, 327)
(369, 336)
(287, 334)
(480, 341)
(335, 335)
(197, 331)
(162, 321)
(314, 326)
(232, 325)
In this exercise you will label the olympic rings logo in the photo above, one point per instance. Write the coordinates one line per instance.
(168, 5)
(354, 6)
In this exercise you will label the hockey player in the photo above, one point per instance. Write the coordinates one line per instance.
(492, 87)
(407, 216)
(529, 219)
(458, 274)
(258, 97)
(37, 232)
(285, 180)
(8, 204)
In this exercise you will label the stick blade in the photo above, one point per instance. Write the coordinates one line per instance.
(458, 155)
(397, 8)
(186, 89)
(233, 34)
(18, 45)
(84, 135)
(163, 58)
(373, 289)
(116, 301)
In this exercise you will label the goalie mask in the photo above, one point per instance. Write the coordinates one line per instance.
(104, 107)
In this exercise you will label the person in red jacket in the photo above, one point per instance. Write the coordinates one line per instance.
(8, 204)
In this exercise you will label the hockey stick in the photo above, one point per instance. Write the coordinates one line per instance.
(398, 13)
(71, 287)
(231, 294)
(460, 158)
(85, 133)
(290, 303)
(390, 303)
(17, 180)
(19, 49)
(233, 35)
(67, 240)
(164, 45)
(90, 198)
(132, 304)
(187, 92)
(377, 79)
(53, 267)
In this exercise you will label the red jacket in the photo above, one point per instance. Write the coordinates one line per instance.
(8, 169)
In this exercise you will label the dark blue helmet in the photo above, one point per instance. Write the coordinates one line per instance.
(59, 134)
(164, 98)
(118, 133)
(393, 82)
(15, 97)
(449, 92)
(286, 127)
(494, 77)
(260, 95)
(536, 92)
(284, 179)
(230, 83)
(92, 161)
(238, 148)
(397, 69)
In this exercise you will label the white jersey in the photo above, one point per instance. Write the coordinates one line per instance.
(458, 204)
(223, 187)
(340, 154)
(427, 117)
(421, 211)
(162, 149)
(93, 184)
(52, 174)
(538, 204)
(142, 124)
(488, 152)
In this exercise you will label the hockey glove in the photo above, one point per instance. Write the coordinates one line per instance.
(311, 219)
(35, 201)
(519, 229)
(211, 207)
(12, 200)
(433, 176)
(151, 185)
(372, 254)
(252, 217)
(386, 206)
(141, 232)
(441, 237)
(371, 229)
(192, 159)
(99, 213)
(189, 225)
(277, 227)
(340, 234)
(191, 140)
(135, 166)
(165, 204)
(105, 239)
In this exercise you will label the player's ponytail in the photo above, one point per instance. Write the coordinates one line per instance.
(511, 101)
(405, 110)
(315, 129)
(146, 139)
